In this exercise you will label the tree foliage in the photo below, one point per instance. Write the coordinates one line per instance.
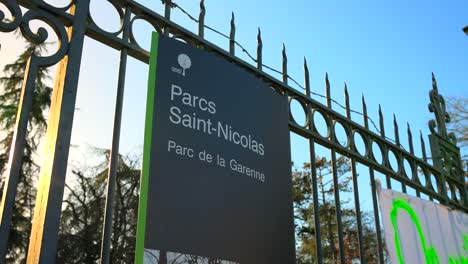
(304, 215)
(83, 214)
(457, 108)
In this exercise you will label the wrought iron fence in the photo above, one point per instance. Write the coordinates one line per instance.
(443, 181)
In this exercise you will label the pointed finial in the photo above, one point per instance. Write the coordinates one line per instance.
(423, 146)
(327, 91)
(364, 112)
(364, 105)
(410, 138)
(434, 82)
(438, 107)
(395, 126)
(306, 77)
(201, 19)
(285, 65)
(347, 109)
(381, 122)
(259, 50)
(232, 36)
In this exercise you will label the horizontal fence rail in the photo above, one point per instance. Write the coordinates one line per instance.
(443, 181)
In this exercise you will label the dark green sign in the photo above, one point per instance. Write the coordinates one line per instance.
(216, 178)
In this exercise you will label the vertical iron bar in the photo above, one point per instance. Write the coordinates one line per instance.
(397, 134)
(355, 186)
(358, 210)
(397, 140)
(313, 173)
(424, 156)
(376, 216)
(327, 91)
(306, 79)
(381, 122)
(232, 36)
(15, 157)
(384, 155)
(364, 111)
(285, 65)
(411, 147)
(114, 155)
(201, 20)
(259, 50)
(45, 224)
(373, 185)
(167, 14)
(336, 188)
(346, 95)
(410, 139)
(423, 146)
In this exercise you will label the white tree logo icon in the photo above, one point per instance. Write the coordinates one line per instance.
(184, 62)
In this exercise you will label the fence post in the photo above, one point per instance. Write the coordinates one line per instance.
(45, 224)
(15, 157)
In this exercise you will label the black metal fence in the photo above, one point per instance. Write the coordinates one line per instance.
(443, 180)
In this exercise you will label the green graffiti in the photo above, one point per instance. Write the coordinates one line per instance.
(465, 240)
(461, 259)
(430, 254)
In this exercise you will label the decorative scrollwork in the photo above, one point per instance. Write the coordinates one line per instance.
(51, 7)
(42, 35)
(437, 106)
(13, 7)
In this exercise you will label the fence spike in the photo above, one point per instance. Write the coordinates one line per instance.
(381, 122)
(306, 77)
(259, 50)
(364, 112)
(285, 65)
(410, 138)
(395, 126)
(232, 36)
(347, 108)
(327, 91)
(201, 19)
(423, 146)
(434, 82)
